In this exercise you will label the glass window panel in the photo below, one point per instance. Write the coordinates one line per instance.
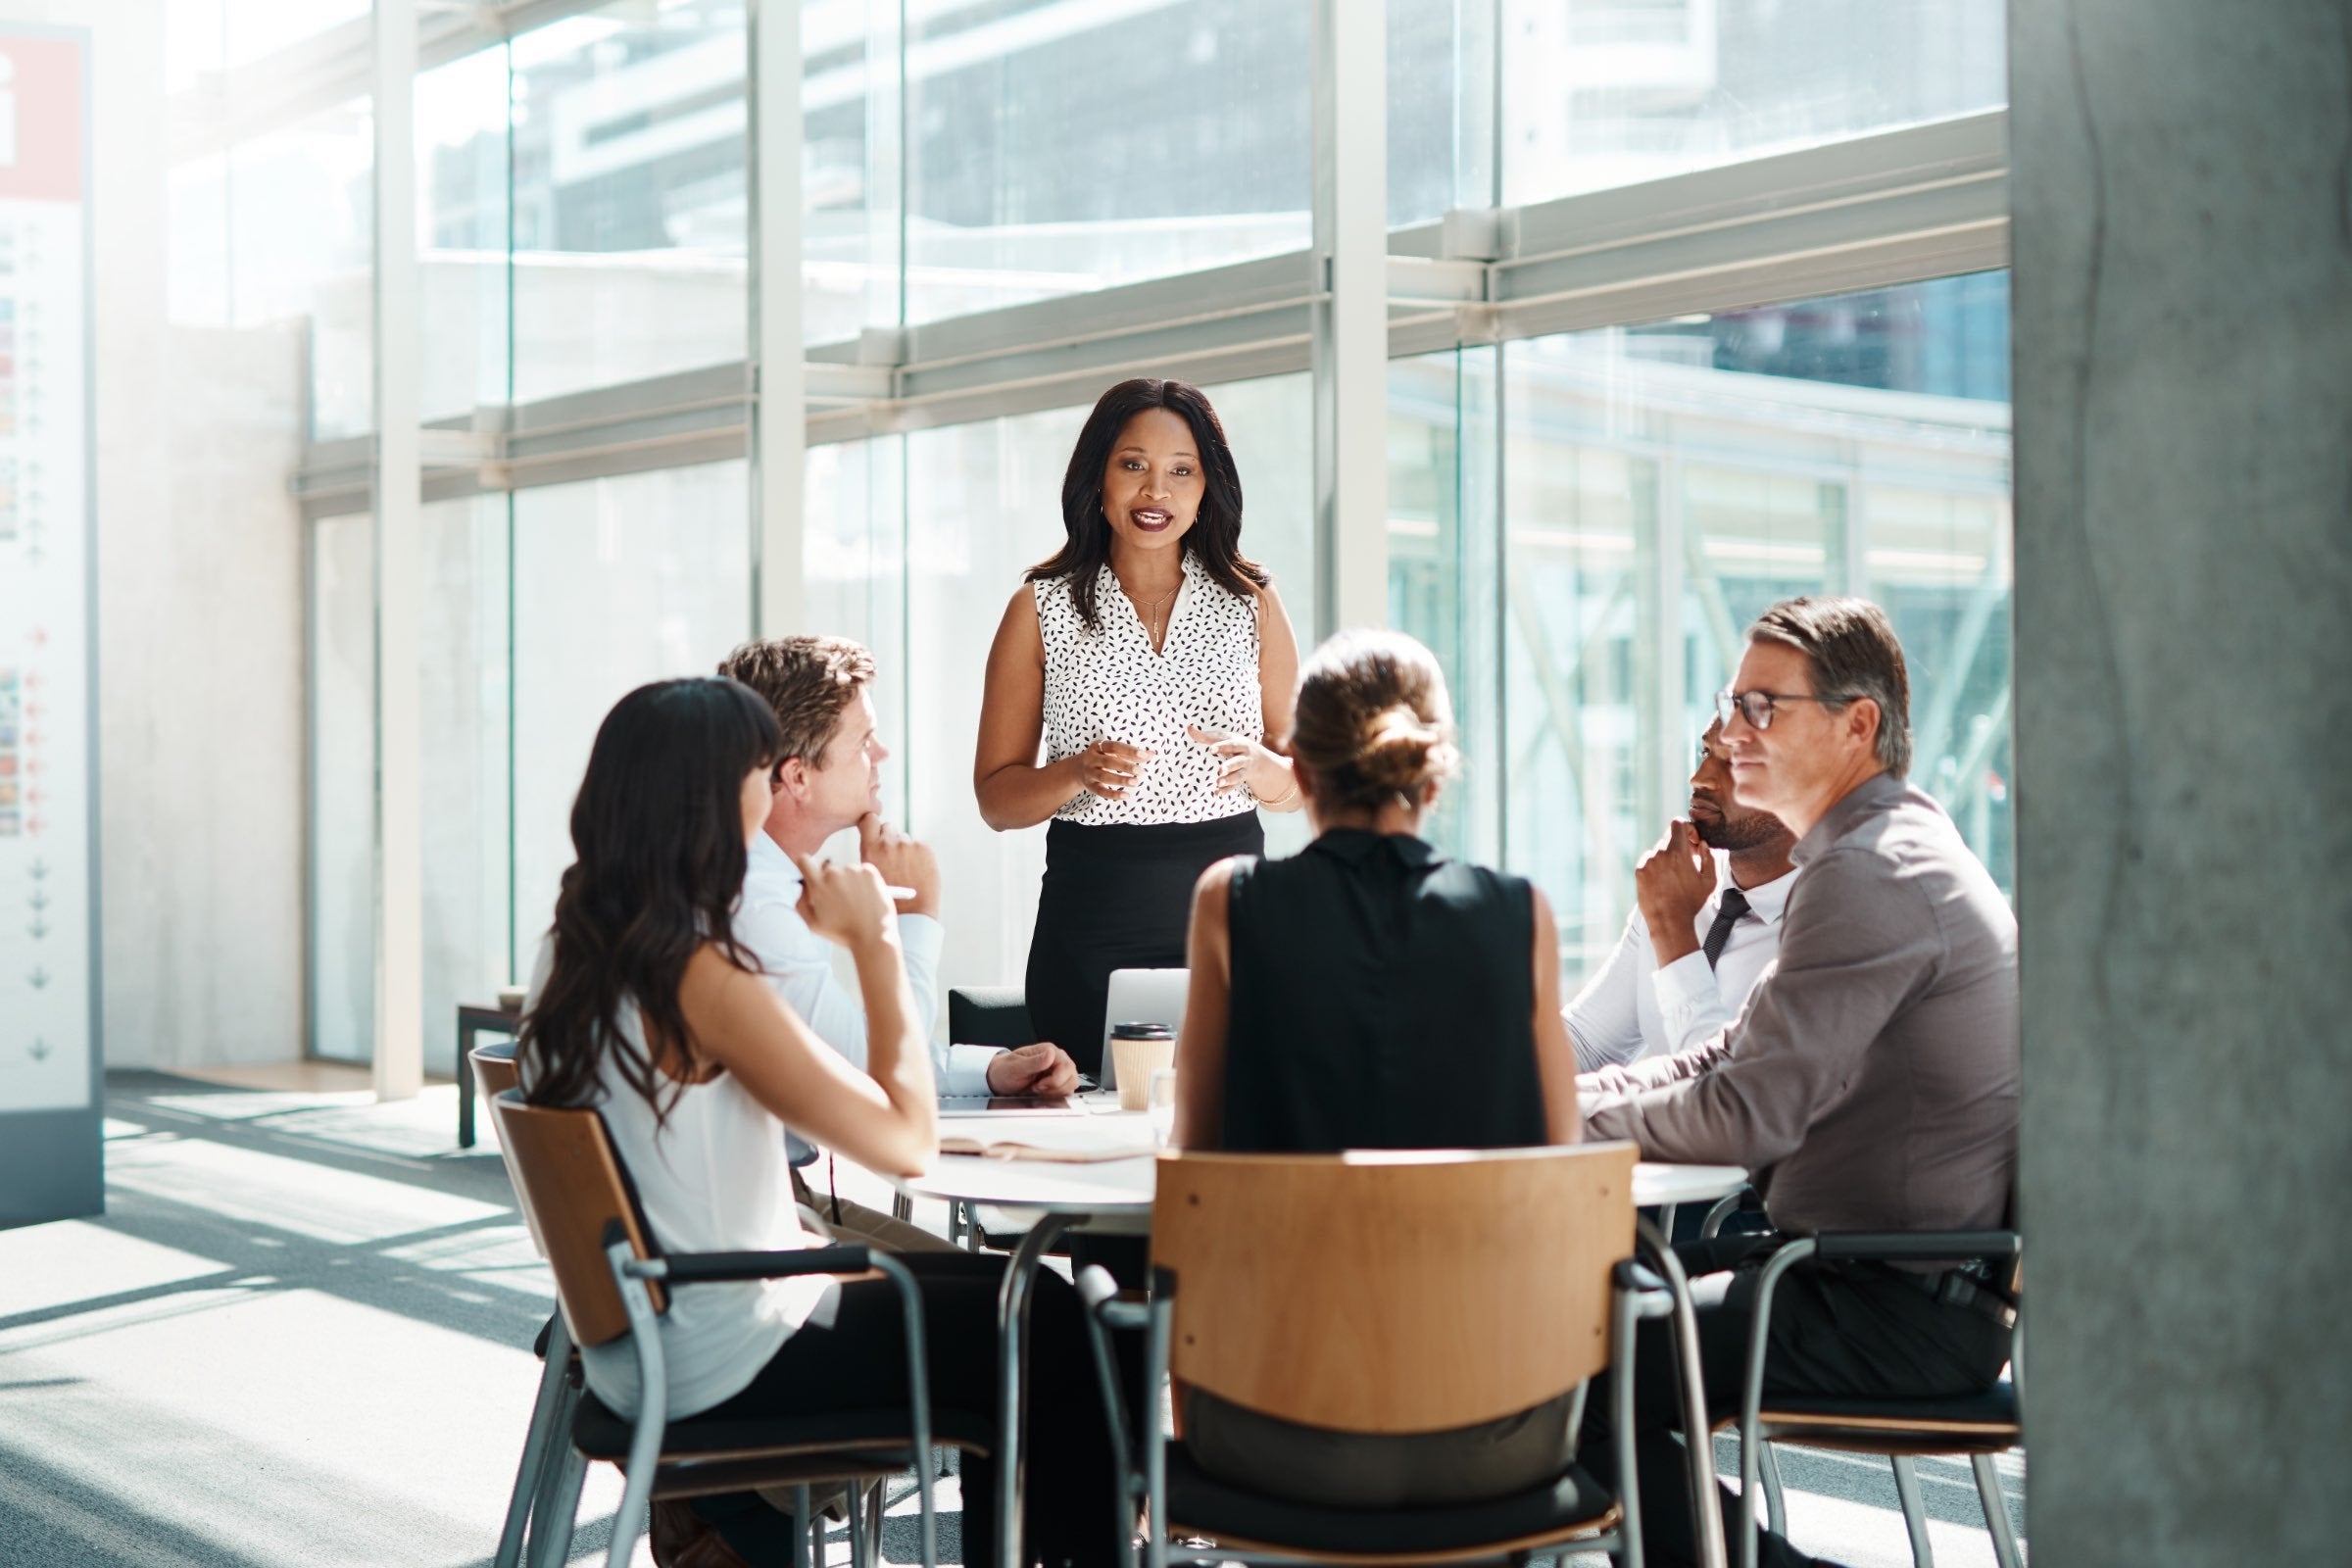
(1582, 516)
(199, 242)
(983, 504)
(464, 757)
(462, 215)
(204, 37)
(850, 136)
(1599, 93)
(297, 206)
(342, 637)
(1940, 560)
(616, 582)
(1056, 147)
(1669, 482)
(631, 217)
(854, 581)
(255, 29)
(273, 224)
(1442, 568)
(1441, 108)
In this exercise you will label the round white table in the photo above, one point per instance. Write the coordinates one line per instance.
(1056, 1197)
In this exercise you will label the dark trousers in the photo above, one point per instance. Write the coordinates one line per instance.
(1117, 896)
(860, 1363)
(1855, 1330)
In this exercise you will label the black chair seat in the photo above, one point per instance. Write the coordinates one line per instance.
(600, 1434)
(1997, 1407)
(1200, 1504)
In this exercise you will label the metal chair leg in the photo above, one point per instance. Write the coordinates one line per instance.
(1776, 1506)
(1915, 1517)
(801, 1524)
(538, 1448)
(876, 1511)
(555, 1509)
(1997, 1511)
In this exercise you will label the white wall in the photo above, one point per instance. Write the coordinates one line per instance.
(199, 615)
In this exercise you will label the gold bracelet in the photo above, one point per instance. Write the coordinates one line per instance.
(1287, 798)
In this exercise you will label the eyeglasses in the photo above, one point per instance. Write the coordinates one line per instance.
(1756, 706)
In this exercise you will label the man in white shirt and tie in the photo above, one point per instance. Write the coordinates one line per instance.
(1706, 927)
(831, 780)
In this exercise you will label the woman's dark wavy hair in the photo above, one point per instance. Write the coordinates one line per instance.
(658, 830)
(1216, 537)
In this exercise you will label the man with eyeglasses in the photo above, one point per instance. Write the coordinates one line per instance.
(1872, 1082)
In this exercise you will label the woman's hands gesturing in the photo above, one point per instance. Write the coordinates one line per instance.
(1107, 767)
(1241, 761)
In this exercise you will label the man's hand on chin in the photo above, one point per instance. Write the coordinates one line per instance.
(1039, 1070)
(1671, 883)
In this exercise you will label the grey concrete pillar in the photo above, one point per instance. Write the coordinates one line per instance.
(2183, 398)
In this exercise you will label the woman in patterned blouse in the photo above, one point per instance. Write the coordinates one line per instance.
(1153, 662)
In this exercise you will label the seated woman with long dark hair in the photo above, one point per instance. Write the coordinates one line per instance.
(646, 1007)
(1370, 993)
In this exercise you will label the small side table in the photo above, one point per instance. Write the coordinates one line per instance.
(475, 1019)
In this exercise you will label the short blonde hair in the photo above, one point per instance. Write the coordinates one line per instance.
(808, 681)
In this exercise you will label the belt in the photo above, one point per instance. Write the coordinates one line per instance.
(1965, 1288)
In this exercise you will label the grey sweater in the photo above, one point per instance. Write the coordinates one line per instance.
(1872, 1081)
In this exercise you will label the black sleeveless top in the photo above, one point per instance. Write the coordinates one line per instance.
(1383, 998)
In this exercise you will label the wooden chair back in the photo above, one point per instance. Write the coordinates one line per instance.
(572, 1187)
(1384, 1292)
(494, 1069)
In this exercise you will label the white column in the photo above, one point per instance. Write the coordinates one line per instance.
(779, 412)
(399, 589)
(1350, 355)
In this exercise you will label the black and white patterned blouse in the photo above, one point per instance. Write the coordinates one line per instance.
(1109, 684)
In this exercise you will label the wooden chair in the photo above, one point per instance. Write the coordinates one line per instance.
(1978, 1425)
(1384, 1293)
(610, 1286)
(494, 1068)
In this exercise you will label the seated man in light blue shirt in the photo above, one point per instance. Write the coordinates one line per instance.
(830, 780)
(1706, 929)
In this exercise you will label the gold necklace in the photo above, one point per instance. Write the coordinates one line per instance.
(1156, 629)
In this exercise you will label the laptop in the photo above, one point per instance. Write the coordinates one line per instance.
(1141, 995)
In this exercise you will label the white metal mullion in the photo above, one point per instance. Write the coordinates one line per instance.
(1349, 344)
(398, 804)
(780, 407)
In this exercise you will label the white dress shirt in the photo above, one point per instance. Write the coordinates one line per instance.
(799, 963)
(1633, 1008)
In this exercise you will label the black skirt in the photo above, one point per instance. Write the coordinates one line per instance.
(1116, 897)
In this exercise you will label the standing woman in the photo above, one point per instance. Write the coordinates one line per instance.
(1152, 659)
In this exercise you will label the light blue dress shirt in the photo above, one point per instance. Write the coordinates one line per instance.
(799, 963)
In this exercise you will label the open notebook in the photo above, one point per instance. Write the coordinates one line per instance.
(1074, 1141)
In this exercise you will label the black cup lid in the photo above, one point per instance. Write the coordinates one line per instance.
(1142, 1031)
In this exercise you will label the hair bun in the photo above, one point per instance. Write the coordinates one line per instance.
(1400, 749)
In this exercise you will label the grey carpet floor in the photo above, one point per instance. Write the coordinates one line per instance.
(301, 1335)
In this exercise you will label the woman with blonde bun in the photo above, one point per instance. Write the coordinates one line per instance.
(1370, 993)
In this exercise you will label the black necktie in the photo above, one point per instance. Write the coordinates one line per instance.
(1727, 915)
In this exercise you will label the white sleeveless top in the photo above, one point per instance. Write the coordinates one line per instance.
(1111, 684)
(713, 1179)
